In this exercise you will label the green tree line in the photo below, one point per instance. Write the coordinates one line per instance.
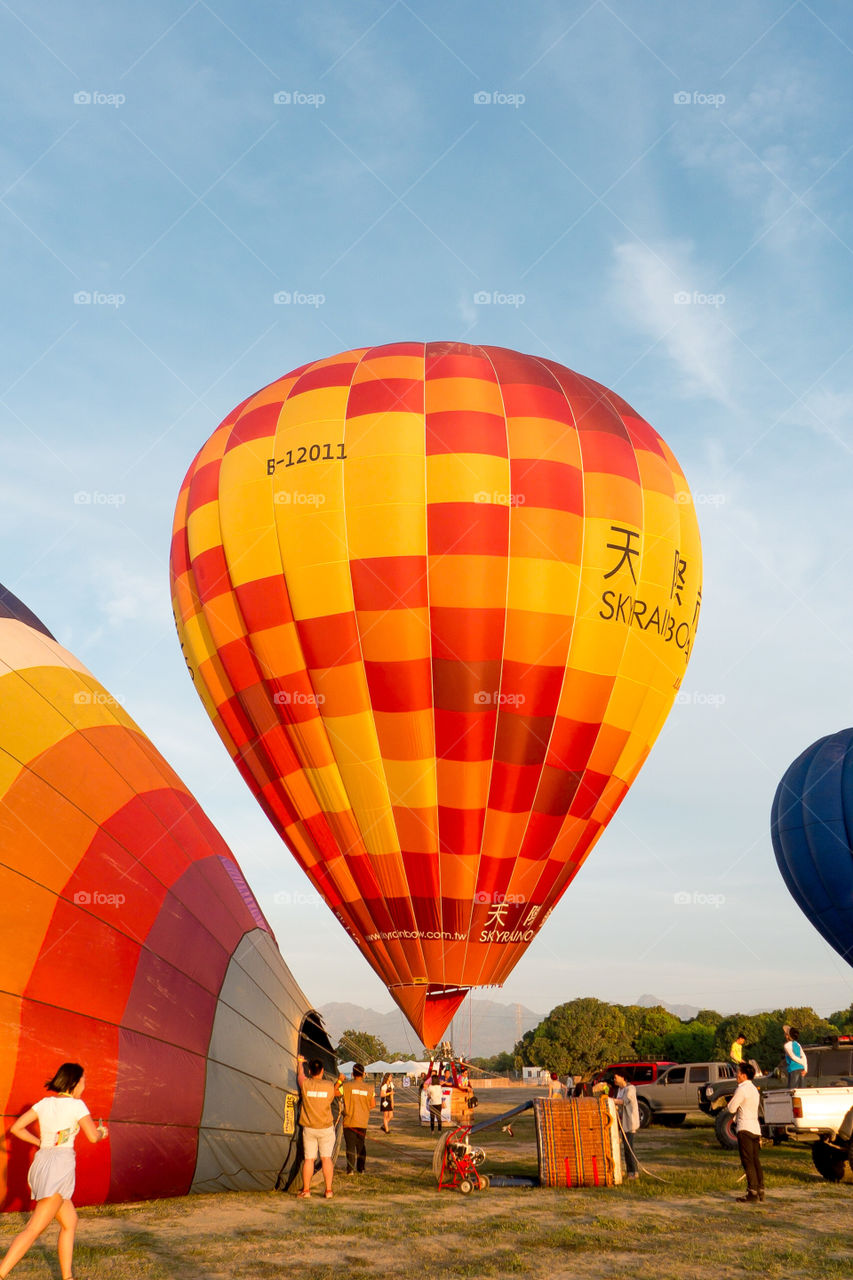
(586, 1034)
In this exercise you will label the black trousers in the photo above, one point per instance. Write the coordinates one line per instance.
(434, 1109)
(356, 1150)
(749, 1146)
(631, 1164)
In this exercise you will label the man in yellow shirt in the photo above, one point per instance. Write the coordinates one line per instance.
(359, 1099)
(736, 1051)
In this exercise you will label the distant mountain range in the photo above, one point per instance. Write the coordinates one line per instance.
(480, 1029)
(686, 1012)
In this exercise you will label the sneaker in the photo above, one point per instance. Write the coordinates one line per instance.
(633, 1175)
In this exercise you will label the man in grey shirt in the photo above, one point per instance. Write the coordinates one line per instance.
(629, 1119)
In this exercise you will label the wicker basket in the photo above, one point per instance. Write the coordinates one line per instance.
(578, 1142)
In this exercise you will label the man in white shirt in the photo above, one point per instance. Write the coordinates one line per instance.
(744, 1104)
(435, 1101)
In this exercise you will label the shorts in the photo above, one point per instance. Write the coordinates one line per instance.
(52, 1173)
(318, 1142)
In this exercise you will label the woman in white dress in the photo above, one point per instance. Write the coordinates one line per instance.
(52, 1171)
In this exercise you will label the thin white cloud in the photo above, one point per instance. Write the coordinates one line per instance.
(757, 150)
(670, 299)
(828, 413)
(124, 596)
(467, 311)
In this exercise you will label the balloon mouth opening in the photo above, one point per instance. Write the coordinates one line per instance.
(429, 1007)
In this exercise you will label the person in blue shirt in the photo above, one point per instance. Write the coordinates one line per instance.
(796, 1063)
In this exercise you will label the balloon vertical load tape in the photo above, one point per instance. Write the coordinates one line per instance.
(577, 1141)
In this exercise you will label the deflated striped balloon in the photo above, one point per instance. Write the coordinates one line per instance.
(437, 600)
(129, 942)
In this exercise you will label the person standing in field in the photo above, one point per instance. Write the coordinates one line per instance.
(318, 1126)
(744, 1104)
(736, 1050)
(796, 1063)
(629, 1121)
(435, 1101)
(53, 1170)
(555, 1087)
(359, 1098)
(386, 1101)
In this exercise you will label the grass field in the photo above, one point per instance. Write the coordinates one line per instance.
(393, 1222)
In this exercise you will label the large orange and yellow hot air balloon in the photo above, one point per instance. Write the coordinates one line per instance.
(130, 942)
(437, 600)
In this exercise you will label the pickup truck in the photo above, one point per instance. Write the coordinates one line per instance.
(830, 1064)
(809, 1114)
(677, 1090)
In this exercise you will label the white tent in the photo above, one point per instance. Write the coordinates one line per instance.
(397, 1068)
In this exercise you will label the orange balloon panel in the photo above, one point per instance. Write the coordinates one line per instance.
(130, 942)
(437, 600)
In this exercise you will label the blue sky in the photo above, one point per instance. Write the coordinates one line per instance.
(657, 195)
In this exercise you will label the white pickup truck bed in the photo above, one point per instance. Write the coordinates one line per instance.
(808, 1109)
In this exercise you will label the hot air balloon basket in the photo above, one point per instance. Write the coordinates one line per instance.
(577, 1140)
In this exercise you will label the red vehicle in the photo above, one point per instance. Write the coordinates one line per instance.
(634, 1072)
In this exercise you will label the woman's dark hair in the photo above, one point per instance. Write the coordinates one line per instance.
(793, 1033)
(66, 1079)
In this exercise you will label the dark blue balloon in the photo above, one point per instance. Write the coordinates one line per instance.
(811, 825)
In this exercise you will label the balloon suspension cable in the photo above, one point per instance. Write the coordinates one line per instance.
(413, 1092)
(646, 1171)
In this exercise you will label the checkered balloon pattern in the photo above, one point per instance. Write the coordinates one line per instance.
(438, 600)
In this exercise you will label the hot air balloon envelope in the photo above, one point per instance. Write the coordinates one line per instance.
(131, 943)
(437, 600)
(811, 826)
